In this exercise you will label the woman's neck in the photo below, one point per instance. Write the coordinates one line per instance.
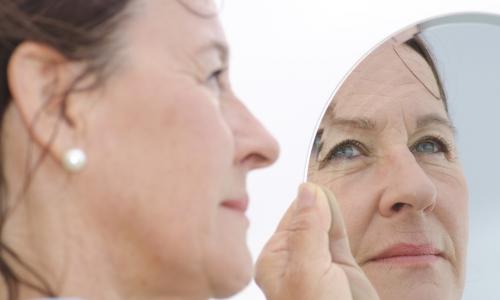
(64, 248)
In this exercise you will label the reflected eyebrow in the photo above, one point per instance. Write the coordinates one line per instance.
(218, 46)
(357, 123)
(435, 119)
(370, 125)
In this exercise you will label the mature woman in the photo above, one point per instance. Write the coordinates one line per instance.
(124, 152)
(386, 149)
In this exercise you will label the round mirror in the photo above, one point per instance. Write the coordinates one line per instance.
(407, 144)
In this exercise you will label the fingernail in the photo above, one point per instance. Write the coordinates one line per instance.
(306, 197)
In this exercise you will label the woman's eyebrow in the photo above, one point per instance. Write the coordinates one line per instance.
(435, 119)
(357, 123)
(215, 45)
(366, 124)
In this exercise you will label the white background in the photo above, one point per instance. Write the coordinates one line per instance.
(287, 59)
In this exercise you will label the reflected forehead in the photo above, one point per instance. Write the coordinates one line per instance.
(414, 107)
(374, 119)
(383, 89)
(390, 71)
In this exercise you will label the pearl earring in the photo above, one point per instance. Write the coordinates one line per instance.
(74, 160)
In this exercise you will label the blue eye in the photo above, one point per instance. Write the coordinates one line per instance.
(431, 145)
(349, 149)
(428, 147)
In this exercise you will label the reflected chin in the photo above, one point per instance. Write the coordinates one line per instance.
(420, 292)
(414, 280)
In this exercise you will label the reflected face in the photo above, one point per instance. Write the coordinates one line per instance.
(170, 146)
(387, 151)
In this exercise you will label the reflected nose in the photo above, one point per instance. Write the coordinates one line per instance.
(407, 186)
(255, 146)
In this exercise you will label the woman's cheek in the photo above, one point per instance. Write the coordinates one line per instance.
(453, 201)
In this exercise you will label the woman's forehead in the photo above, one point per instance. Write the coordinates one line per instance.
(383, 113)
(205, 8)
(177, 21)
(179, 37)
(386, 83)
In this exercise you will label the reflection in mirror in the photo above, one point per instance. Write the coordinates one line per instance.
(398, 146)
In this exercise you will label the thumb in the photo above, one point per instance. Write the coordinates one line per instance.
(339, 240)
(360, 286)
(309, 227)
(300, 244)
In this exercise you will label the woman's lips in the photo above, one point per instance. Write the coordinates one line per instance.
(408, 255)
(239, 205)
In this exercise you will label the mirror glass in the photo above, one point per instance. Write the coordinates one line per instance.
(408, 144)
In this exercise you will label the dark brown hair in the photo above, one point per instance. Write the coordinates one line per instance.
(81, 30)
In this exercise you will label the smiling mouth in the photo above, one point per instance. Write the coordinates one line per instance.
(238, 205)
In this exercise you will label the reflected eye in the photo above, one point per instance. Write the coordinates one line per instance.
(428, 147)
(431, 145)
(349, 149)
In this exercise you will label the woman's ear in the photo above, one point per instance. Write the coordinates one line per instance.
(40, 80)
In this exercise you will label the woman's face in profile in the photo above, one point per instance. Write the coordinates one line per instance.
(169, 148)
(388, 153)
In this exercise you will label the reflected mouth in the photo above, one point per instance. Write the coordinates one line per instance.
(408, 255)
(239, 205)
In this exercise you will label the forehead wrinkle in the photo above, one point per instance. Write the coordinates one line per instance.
(367, 90)
(371, 82)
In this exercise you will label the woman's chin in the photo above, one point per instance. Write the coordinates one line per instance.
(410, 285)
(429, 294)
(232, 273)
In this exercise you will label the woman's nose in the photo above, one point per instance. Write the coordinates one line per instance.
(407, 186)
(255, 146)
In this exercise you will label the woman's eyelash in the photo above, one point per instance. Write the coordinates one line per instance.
(442, 143)
(348, 142)
(216, 80)
(217, 73)
(445, 146)
(335, 149)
